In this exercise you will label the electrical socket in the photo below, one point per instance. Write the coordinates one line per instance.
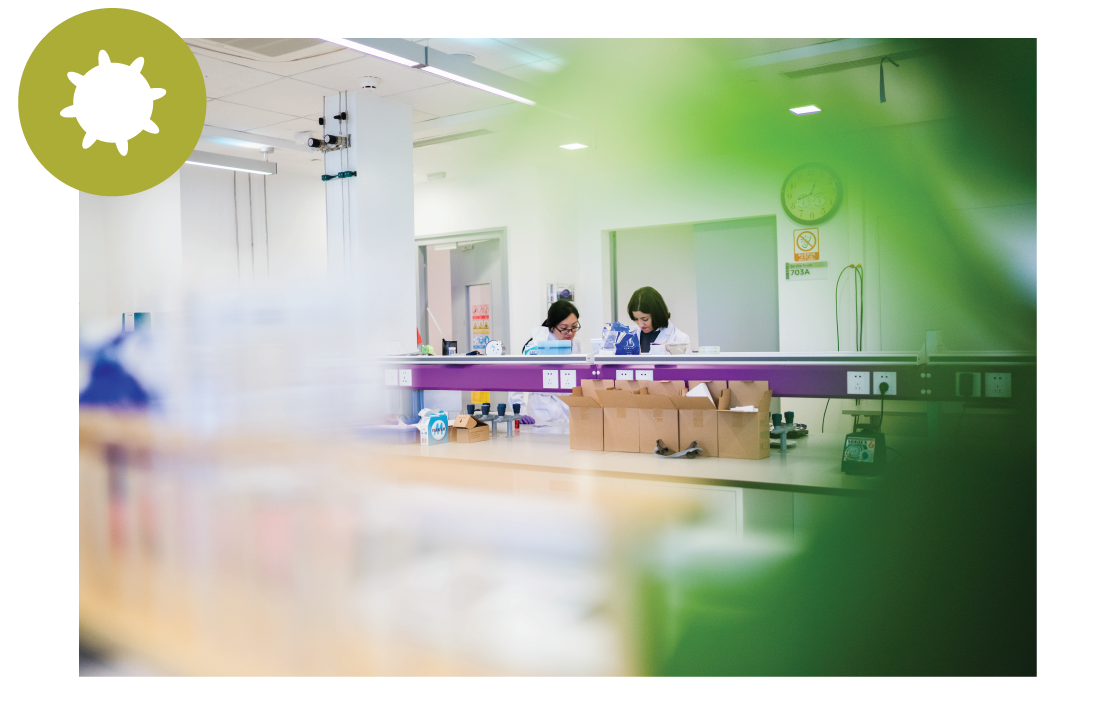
(646, 375)
(858, 382)
(549, 379)
(624, 375)
(392, 376)
(567, 379)
(889, 377)
(999, 385)
(405, 377)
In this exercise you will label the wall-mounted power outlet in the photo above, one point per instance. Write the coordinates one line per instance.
(405, 377)
(391, 376)
(968, 384)
(623, 375)
(999, 385)
(889, 377)
(549, 379)
(567, 379)
(858, 383)
(646, 375)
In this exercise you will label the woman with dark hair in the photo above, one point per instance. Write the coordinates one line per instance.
(561, 324)
(650, 314)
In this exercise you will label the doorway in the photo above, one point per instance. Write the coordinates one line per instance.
(463, 296)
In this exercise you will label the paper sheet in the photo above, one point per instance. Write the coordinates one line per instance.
(701, 390)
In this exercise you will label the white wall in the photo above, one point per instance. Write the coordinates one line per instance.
(662, 258)
(142, 252)
(132, 252)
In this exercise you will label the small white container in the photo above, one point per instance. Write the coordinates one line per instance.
(596, 344)
(657, 349)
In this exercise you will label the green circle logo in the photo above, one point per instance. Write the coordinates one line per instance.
(127, 98)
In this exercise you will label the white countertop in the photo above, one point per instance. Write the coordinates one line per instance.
(812, 466)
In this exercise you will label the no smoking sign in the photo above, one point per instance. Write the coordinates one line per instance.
(805, 244)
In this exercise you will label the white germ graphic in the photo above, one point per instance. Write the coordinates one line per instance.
(113, 103)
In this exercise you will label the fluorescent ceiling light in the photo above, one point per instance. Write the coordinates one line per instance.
(374, 52)
(232, 163)
(472, 83)
(805, 110)
(449, 246)
(573, 146)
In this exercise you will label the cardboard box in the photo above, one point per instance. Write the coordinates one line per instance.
(698, 420)
(585, 420)
(466, 429)
(593, 385)
(666, 388)
(621, 426)
(745, 435)
(632, 386)
(657, 420)
(716, 388)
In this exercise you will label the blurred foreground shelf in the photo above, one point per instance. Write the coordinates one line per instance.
(239, 555)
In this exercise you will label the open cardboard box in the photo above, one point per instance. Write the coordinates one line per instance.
(585, 420)
(744, 435)
(665, 388)
(632, 386)
(621, 426)
(698, 421)
(657, 420)
(466, 429)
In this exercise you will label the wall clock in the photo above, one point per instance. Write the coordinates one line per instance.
(811, 194)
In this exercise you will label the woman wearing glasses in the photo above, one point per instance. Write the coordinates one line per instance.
(561, 324)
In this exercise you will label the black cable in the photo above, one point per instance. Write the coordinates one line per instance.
(823, 422)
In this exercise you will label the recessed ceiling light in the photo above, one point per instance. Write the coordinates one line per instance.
(573, 146)
(805, 110)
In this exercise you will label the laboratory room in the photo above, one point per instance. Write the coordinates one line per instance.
(570, 357)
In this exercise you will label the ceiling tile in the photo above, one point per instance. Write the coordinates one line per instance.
(491, 54)
(548, 48)
(329, 54)
(287, 129)
(535, 72)
(285, 95)
(240, 118)
(449, 98)
(223, 78)
(422, 116)
(346, 75)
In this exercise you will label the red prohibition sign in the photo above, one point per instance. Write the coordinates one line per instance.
(805, 240)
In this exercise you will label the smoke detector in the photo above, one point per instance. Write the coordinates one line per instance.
(370, 83)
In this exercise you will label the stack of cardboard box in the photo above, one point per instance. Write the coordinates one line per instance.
(631, 416)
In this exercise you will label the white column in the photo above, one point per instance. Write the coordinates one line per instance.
(371, 216)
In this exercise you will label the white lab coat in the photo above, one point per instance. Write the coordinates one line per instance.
(545, 408)
(671, 335)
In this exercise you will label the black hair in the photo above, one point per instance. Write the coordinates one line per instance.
(649, 301)
(558, 312)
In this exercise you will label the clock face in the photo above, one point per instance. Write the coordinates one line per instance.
(811, 194)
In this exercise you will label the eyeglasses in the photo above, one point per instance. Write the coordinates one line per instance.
(565, 330)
